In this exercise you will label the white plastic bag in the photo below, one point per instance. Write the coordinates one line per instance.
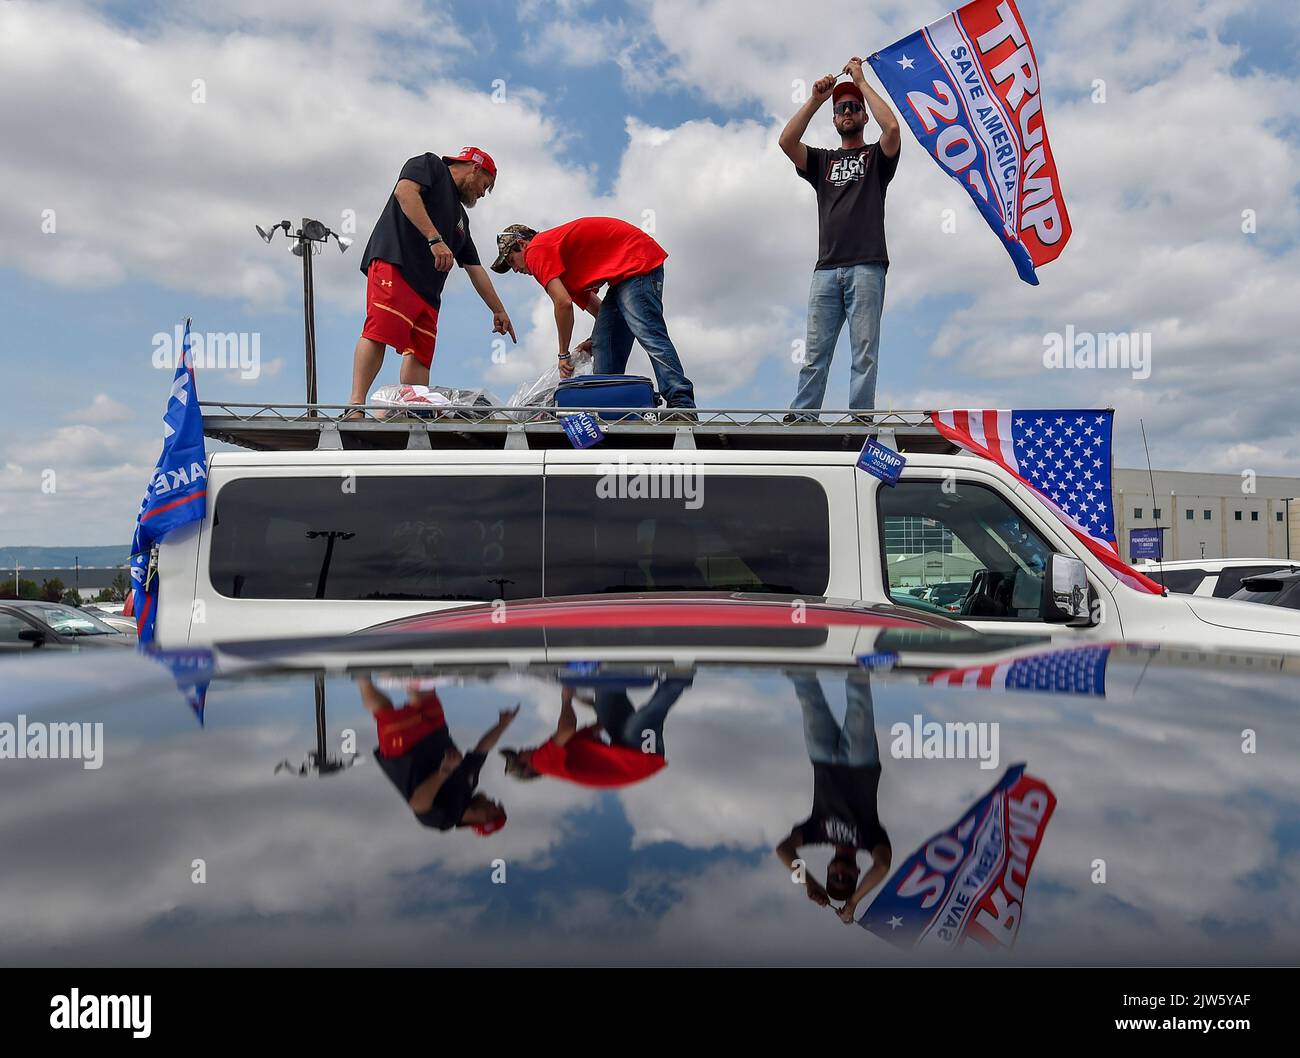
(429, 401)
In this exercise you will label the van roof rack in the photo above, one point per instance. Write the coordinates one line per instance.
(306, 427)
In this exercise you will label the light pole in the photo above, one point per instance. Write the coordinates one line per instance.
(302, 244)
(1286, 526)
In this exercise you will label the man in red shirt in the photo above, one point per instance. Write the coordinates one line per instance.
(635, 749)
(572, 262)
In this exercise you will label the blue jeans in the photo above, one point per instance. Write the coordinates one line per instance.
(857, 294)
(827, 742)
(632, 309)
(626, 725)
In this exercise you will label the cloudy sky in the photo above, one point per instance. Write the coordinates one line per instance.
(144, 140)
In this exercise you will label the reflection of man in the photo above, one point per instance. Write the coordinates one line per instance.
(634, 750)
(417, 754)
(846, 775)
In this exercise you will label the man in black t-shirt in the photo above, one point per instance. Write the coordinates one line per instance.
(846, 779)
(422, 231)
(422, 762)
(849, 279)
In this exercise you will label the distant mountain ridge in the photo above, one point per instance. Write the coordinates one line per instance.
(60, 557)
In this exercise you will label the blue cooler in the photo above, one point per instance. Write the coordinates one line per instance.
(606, 391)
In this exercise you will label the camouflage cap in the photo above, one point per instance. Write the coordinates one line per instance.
(507, 243)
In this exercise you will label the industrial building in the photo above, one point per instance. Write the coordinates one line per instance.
(1209, 515)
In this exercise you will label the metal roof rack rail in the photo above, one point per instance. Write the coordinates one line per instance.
(304, 427)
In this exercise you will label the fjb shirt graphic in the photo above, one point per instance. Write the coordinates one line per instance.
(847, 169)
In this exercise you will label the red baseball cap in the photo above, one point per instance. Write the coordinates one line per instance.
(491, 827)
(474, 154)
(850, 89)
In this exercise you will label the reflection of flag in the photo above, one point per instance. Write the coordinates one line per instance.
(192, 671)
(177, 491)
(1077, 671)
(968, 87)
(1065, 457)
(968, 882)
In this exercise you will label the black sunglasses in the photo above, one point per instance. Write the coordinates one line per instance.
(849, 108)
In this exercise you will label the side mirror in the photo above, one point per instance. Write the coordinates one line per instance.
(1065, 592)
(34, 636)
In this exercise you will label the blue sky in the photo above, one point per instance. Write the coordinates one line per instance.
(621, 108)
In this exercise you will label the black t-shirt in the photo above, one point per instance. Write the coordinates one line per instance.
(422, 760)
(850, 186)
(400, 243)
(844, 808)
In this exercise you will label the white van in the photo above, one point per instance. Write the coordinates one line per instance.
(330, 541)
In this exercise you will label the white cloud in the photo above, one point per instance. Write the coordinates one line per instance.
(102, 409)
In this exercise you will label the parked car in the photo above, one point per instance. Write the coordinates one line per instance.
(26, 626)
(1281, 588)
(1219, 578)
(294, 770)
(114, 618)
(948, 596)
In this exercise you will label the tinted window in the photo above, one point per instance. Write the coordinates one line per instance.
(1230, 579)
(764, 534)
(1181, 581)
(992, 560)
(10, 626)
(419, 537)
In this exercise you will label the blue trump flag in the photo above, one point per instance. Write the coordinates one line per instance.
(177, 491)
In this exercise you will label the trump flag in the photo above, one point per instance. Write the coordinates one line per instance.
(967, 883)
(177, 491)
(968, 87)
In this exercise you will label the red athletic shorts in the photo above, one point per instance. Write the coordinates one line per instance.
(400, 729)
(396, 315)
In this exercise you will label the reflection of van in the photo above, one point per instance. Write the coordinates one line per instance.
(330, 541)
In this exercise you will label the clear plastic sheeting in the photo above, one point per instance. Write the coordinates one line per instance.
(541, 393)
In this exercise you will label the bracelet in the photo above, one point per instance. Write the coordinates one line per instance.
(565, 356)
(435, 240)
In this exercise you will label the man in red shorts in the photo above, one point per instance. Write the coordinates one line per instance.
(417, 754)
(422, 231)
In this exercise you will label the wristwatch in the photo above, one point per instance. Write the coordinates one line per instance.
(435, 240)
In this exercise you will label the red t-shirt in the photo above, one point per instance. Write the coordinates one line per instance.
(588, 761)
(591, 251)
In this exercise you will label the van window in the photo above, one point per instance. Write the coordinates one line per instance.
(416, 537)
(966, 552)
(753, 533)
(1180, 581)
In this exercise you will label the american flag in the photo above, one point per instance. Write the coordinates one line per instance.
(1078, 671)
(1064, 456)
